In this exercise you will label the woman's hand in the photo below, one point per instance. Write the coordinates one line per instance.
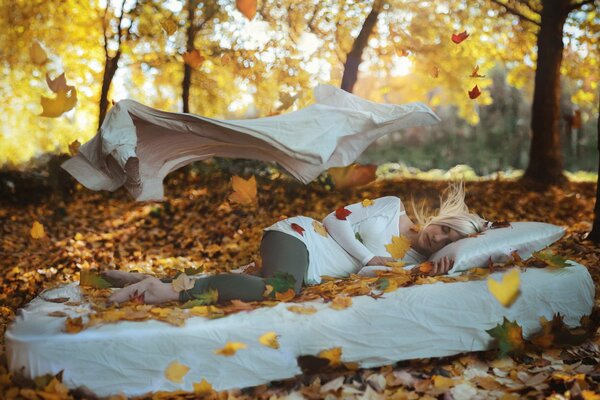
(153, 290)
(377, 260)
(442, 266)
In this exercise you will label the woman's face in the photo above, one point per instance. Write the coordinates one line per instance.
(434, 237)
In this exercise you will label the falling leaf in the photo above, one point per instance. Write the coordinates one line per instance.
(37, 230)
(302, 310)
(319, 228)
(64, 101)
(509, 336)
(73, 325)
(352, 175)
(341, 302)
(269, 339)
(367, 202)
(244, 191)
(169, 25)
(182, 282)
(176, 371)
(334, 356)
(193, 58)
(37, 54)
(203, 388)
(342, 213)
(475, 73)
(398, 247)
(247, 7)
(74, 148)
(435, 72)
(506, 291)
(57, 84)
(286, 100)
(298, 228)
(474, 93)
(551, 260)
(285, 296)
(89, 278)
(231, 348)
(459, 37)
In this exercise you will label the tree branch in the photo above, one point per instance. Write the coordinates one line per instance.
(515, 12)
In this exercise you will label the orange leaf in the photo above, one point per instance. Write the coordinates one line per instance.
(176, 371)
(334, 355)
(474, 93)
(231, 348)
(435, 71)
(319, 228)
(73, 325)
(458, 38)
(352, 175)
(426, 267)
(342, 213)
(341, 302)
(475, 73)
(285, 296)
(298, 228)
(37, 230)
(244, 190)
(193, 58)
(247, 7)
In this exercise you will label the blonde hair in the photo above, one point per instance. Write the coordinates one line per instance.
(453, 212)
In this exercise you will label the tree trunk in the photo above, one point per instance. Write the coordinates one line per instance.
(594, 235)
(187, 70)
(110, 68)
(354, 58)
(545, 158)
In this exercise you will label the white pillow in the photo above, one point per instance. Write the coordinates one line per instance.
(524, 237)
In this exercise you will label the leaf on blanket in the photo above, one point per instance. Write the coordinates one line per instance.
(176, 371)
(182, 282)
(298, 228)
(90, 278)
(73, 325)
(557, 333)
(551, 260)
(358, 237)
(341, 302)
(395, 264)
(398, 247)
(342, 213)
(334, 356)
(37, 230)
(231, 348)
(367, 202)
(244, 191)
(210, 296)
(506, 291)
(207, 311)
(319, 228)
(281, 283)
(285, 296)
(302, 309)
(269, 339)
(509, 336)
(203, 388)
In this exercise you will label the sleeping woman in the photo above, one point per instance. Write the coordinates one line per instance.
(302, 249)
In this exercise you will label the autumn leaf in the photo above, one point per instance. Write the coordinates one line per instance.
(319, 228)
(506, 291)
(342, 213)
(286, 100)
(176, 371)
(244, 191)
(73, 325)
(285, 296)
(74, 147)
(231, 348)
(509, 336)
(58, 314)
(37, 230)
(435, 72)
(441, 382)
(551, 260)
(268, 291)
(298, 228)
(358, 237)
(475, 73)
(169, 26)
(182, 282)
(334, 356)
(89, 278)
(302, 310)
(395, 264)
(500, 224)
(210, 296)
(459, 37)
(37, 54)
(425, 267)
(64, 101)
(247, 7)
(398, 247)
(352, 175)
(474, 93)
(367, 202)
(269, 339)
(193, 58)
(203, 388)
(57, 84)
(544, 338)
(341, 302)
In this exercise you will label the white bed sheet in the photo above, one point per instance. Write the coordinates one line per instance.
(421, 321)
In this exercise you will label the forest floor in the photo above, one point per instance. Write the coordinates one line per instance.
(197, 228)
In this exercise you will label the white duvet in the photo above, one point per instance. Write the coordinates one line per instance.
(421, 321)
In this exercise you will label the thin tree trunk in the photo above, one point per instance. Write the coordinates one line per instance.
(110, 68)
(545, 158)
(187, 70)
(594, 235)
(354, 58)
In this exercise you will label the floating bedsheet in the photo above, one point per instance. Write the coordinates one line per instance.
(137, 145)
(432, 320)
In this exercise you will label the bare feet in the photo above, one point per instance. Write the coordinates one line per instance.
(122, 278)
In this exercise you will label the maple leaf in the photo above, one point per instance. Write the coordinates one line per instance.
(341, 302)
(367, 202)
(269, 339)
(281, 282)
(73, 325)
(203, 388)
(302, 310)
(398, 247)
(37, 230)
(175, 371)
(244, 190)
(247, 7)
(474, 93)
(182, 282)
(551, 260)
(37, 54)
(352, 175)
(298, 228)
(285, 296)
(509, 336)
(342, 213)
(210, 296)
(475, 73)
(193, 58)
(89, 278)
(334, 356)
(319, 228)
(459, 37)
(544, 338)
(286, 100)
(65, 100)
(506, 291)
(231, 348)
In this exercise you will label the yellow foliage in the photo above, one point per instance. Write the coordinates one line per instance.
(175, 371)
(506, 291)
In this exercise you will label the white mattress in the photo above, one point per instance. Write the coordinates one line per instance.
(422, 321)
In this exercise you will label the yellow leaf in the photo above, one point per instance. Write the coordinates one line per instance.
(589, 395)
(182, 282)
(319, 228)
(74, 147)
(37, 54)
(302, 310)
(441, 382)
(395, 264)
(506, 291)
(341, 302)
(392, 285)
(268, 290)
(334, 355)
(176, 371)
(269, 339)
(398, 247)
(247, 7)
(231, 348)
(64, 101)
(244, 191)
(205, 311)
(367, 202)
(203, 388)
(168, 25)
(37, 230)
(352, 175)
(73, 325)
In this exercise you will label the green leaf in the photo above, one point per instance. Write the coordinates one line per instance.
(509, 336)
(194, 271)
(358, 237)
(281, 282)
(382, 283)
(551, 260)
(92, 279)
(210, 296)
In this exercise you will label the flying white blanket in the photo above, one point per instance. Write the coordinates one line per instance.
(137, 146)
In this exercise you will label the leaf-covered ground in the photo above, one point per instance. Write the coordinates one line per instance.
(196, 227)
